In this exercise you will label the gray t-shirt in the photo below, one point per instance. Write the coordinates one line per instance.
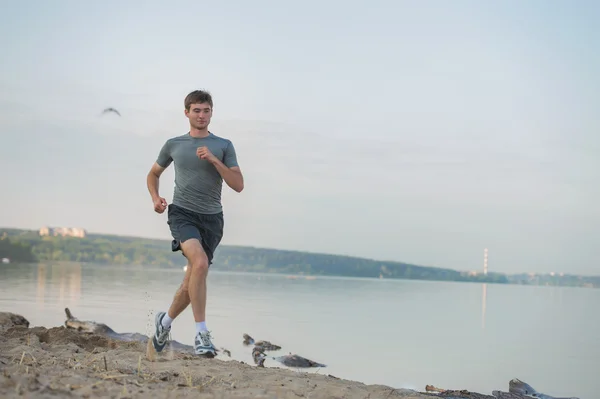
(198, 184)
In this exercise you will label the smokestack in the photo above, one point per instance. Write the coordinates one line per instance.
(485, 257)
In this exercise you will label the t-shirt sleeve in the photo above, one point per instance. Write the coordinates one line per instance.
(230, 157)
(164, 156)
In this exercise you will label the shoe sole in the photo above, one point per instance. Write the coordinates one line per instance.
(208, 352)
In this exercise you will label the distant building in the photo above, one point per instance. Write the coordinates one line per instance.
(63, 231)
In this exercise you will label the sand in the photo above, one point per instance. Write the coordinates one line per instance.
(39, 362)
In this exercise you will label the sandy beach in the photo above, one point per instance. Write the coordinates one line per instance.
(39, 362)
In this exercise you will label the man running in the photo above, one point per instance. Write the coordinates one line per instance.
(202, 162)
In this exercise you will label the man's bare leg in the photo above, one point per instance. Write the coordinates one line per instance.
(163, 320)
(198, 260)
(181, 300)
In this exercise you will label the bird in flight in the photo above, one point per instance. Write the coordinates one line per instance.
(111, 110)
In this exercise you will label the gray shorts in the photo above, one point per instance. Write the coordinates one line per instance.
(186, 224)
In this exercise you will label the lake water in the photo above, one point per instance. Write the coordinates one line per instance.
(393, 332)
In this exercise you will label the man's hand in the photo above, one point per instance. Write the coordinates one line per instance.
(232, 176)
(204, 153)
(160, 204)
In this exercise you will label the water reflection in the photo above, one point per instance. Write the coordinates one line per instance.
(64, 285)
(483, 303)
(41, 286)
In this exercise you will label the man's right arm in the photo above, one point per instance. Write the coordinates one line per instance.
(162, 162)
(152, 180)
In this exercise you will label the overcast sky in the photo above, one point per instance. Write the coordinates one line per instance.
(413, 131)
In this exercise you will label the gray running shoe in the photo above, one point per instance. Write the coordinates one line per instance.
(203, 345)
(161, 334)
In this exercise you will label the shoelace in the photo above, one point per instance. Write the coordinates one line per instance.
(165, 334)
(205, 338)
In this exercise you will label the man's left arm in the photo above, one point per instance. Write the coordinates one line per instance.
(229, 169)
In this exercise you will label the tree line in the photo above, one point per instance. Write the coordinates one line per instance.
(15, 251)
(28, 246)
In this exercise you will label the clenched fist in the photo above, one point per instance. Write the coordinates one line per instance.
(160, 204)
(204, 153)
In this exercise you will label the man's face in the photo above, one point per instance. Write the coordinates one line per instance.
(199, 115)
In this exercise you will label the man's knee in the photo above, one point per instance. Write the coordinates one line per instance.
(200, 264)
(196, 256)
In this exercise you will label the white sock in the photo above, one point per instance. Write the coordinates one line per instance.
(166, 321)
(201, 326)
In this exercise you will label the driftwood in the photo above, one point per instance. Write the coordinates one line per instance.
(431, 388)
(517, 389)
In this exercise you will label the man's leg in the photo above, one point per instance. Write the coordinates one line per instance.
(182, 225)
(163, 320)
(198, 260)
(181, 300)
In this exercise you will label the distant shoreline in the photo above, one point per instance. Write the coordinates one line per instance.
(30, 247)
(217, 269)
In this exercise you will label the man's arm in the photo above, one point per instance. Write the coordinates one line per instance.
(232, 176)
(153, 179)
(229, 169)
(162, 162)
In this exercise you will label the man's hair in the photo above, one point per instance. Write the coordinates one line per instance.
(198, 97)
